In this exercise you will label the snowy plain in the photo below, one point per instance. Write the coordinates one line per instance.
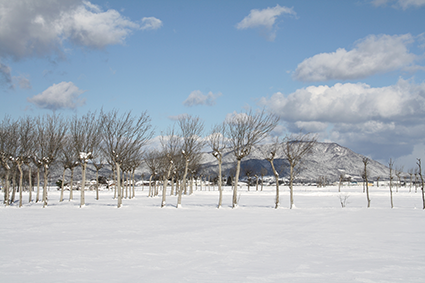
(318, 241)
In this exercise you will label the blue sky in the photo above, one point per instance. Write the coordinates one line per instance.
(351, 71)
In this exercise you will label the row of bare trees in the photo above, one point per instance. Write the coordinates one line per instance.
(119, 140)
(96, 137)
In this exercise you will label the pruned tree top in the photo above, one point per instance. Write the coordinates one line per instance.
(191, 130)
(51, 131)
(124, 134)
(296, 146)
(245, 130)
(217, 139)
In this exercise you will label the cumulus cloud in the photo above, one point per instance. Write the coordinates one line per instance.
(350, 103)
(150, 23)
(198, 98)
(381, 122)
(64, 95)
(264, 20)
(38, 28)
(371, 55)
(404, 4)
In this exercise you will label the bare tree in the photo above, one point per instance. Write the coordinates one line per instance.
(411, 171)
(245, 130)
(217, 142)
(365, 176)
(51, 131)
(191, 129)
(171, 144)
(391, 168)
(294, 148)
(398, 172)
(85, 134)
(422, 181)
(341, 179)
(98, 163)
(123, 135)
(152, 159)
(272, 154)
(8, 148)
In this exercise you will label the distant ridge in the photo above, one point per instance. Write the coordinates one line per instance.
(327, 159)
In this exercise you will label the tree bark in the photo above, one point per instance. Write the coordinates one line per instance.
(235, 189)
(220, 190)
(291, 190)
(83, 184)
(62, 185)
(30, 183)
(118, 186)
(46, 169)
(37, 199)
(7, 188)
(179, 198)
(71, 194)
(21, 177)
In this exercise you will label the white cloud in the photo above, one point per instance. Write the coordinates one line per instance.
(404, 4)
(64, 95)
(381, 122)
(150, 23)
(350, 103)
(371, 55)
(196, 97)
(264, 19)
(39, 28)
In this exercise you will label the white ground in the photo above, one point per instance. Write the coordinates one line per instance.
(317, 242)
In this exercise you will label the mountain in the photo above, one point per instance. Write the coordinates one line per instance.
(326, 160)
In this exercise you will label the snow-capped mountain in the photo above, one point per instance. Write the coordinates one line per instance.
(326, 160)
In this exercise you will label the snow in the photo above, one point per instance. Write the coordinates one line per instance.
(317, 242)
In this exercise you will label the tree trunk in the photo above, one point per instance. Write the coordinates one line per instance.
(118, 185)
(367, 193)
(21, 177)
(37, 198)
(97, 184)
(220, 190)
(7, 188)
(179, 198)
(150, 186)
(235, 189)
(172, 185)
(30, 183)
(83, 185)
(133, 183)
(12, 199)
(291, 190)
(62, 185)
(71, 195)
(164, 190)
(46, 169)
(262, 181)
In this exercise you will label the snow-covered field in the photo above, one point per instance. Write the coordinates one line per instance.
(317, 242)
